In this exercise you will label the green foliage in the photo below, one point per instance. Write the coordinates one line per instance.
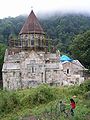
(56, 27)
(41, 95)
(87, 95)
(64, 28)
(2, 52)
(82, 89)
(10, 26)
(85, 86)
(80, 48)
(8, 101)
(43, 102)
(13, 118)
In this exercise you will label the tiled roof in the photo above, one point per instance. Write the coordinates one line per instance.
(31, 25)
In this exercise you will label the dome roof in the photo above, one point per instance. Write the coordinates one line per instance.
(64, 58)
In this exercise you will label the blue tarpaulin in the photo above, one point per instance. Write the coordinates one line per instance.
(64, 58)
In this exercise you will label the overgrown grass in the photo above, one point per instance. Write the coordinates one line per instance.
(44, 100)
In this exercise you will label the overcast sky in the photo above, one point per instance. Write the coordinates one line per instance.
(17, 7)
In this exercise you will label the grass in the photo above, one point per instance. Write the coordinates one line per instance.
(43, 102)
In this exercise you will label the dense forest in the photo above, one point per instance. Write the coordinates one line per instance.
(69, 33)
(58, 28)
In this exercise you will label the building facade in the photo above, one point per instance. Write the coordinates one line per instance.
(27, 62)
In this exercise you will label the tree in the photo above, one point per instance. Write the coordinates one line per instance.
(80, 48)
(2, 52)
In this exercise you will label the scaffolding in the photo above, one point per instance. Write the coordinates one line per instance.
(35, 43)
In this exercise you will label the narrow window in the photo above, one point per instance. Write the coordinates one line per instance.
(33, 69)
(13, 74)
(39, 42)
(42, 77)
(20, 74)
(68, 71)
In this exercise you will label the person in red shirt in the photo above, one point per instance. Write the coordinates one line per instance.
(73, 105)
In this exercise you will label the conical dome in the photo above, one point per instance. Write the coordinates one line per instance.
(31, 25)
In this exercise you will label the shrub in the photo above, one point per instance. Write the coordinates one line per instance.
(13, 118)
(87, 95)
(85, 87)
(39, 95)
(8, 101)
(44, 94)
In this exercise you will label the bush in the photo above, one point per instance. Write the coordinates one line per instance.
(40, 95)
(14, 118)
(87, 95)
(85, 87)
(8, 101)
(44, 94)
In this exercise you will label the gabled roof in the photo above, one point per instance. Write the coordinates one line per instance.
(76, 62)
(31, 25)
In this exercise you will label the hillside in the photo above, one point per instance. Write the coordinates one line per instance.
(59, 28)
(43, 103)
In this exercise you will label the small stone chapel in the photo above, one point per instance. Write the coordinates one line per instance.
(28, 63)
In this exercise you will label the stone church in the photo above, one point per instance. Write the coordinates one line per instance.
(28, 63)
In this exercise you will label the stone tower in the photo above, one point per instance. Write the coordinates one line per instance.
(32, 36)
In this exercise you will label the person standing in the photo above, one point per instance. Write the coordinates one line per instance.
(73, 105)
(63, 108)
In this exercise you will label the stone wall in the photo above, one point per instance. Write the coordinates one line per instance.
(28, 69)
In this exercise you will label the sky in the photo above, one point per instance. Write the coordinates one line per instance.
(15, 8)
